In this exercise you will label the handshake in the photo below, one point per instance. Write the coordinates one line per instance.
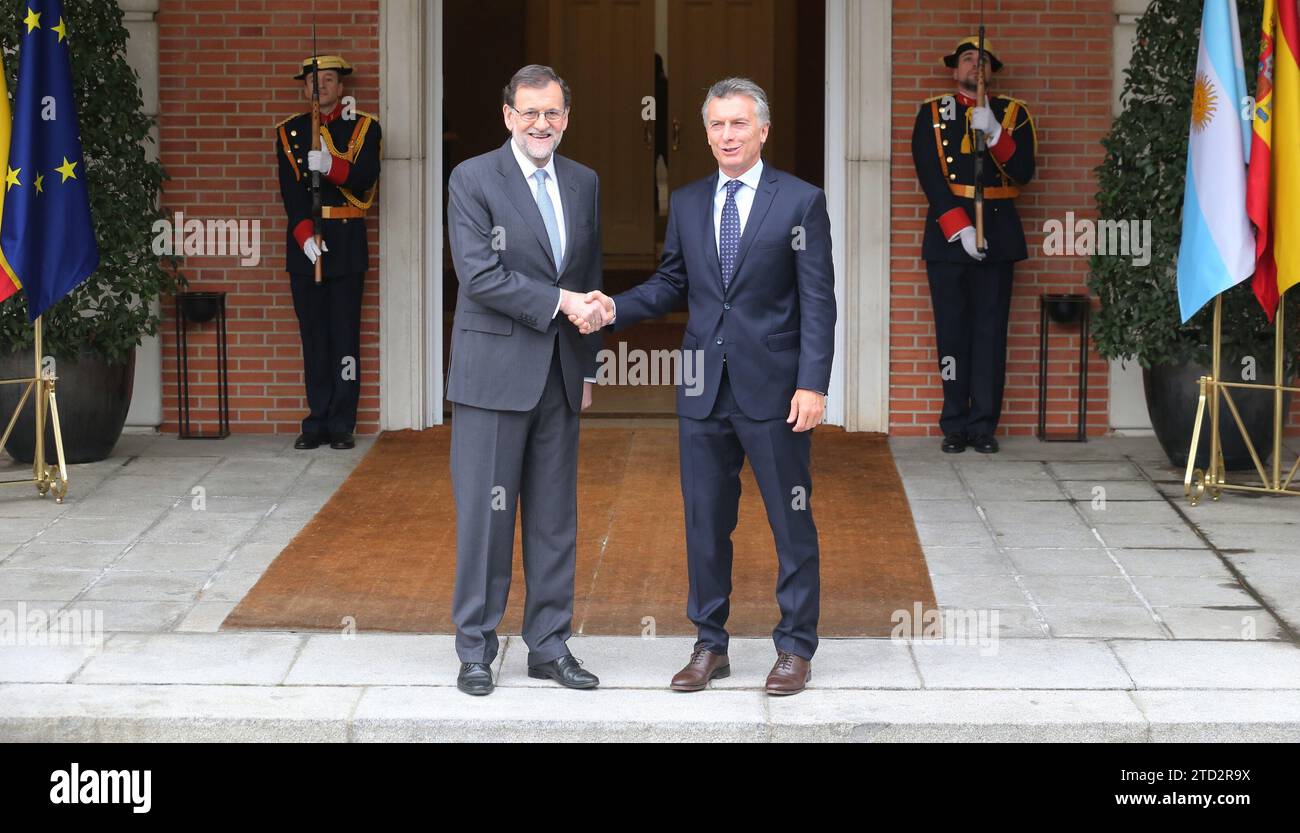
(587, 312)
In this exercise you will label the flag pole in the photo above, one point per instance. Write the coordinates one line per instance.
(48, 481)
(1213, 475)
(1278, 381)
(38, 459)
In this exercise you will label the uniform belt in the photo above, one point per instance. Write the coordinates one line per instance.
(341, 212)
(1002, 192)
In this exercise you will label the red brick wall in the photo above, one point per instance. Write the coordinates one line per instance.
(226, 70)
(1058, 59)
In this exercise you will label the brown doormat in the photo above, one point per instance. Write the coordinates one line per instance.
(382, 551)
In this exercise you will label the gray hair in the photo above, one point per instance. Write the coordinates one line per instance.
(728, 87)
(534, 77)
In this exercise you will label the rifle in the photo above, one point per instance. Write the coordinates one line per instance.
(981, 144)
(315, 145)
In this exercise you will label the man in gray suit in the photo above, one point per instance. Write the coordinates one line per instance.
(524, 225)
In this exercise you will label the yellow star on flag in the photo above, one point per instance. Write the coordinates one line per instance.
(67, 169)
(33, 20)
(62, 29)
(12, 179)
(40, 179)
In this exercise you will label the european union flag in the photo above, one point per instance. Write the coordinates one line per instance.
(47, 239)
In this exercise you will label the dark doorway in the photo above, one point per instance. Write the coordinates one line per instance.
(615, 55)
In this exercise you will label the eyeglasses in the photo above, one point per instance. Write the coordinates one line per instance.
(530, 116)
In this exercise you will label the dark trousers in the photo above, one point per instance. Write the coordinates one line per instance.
(713, 450)
(501, 460)
(972, 303)
(329, 321)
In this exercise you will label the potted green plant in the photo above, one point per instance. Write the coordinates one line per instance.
(93, 332)
(1142, 177)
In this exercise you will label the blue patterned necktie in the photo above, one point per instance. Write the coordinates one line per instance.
(729, 233)
(547, 208)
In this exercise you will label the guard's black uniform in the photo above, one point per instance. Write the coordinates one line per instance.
(329, 313)
(971, 299)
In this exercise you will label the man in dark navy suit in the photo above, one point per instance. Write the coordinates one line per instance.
(749, 251)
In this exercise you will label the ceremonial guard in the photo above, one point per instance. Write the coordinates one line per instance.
(970, 278)
(326, 251)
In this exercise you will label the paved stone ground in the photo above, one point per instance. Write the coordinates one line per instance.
(1097, 540)
(1136, 618)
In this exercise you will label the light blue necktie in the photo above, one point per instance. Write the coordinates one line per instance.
(547, 208)
(729, 233)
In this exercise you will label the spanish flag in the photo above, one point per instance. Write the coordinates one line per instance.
(1273, 185)
(8, 283)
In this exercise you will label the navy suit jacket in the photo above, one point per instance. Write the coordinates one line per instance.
(775, 322)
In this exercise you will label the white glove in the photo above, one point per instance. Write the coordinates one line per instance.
(983, 120)
(312, 251)
(320, 160)
(968, 243)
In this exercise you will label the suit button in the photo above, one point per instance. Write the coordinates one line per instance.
(726, 306)
(949, 160)
(719, 341)
(952, 176)
(345, 222)
(945, 143)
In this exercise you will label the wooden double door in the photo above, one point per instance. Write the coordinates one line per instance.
(605, 50)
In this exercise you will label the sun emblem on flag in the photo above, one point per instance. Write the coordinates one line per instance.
(1204, 102)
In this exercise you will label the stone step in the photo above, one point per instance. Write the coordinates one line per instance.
(45, 712)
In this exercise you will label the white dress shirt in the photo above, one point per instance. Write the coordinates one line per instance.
(744, 198)
(529, 170)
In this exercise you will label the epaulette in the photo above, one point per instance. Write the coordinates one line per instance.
(283, 122)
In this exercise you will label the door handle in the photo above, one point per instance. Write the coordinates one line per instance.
(649, 135)
(677, 133)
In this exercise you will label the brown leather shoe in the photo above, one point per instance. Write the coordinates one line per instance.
(789, 675)
(703, 666)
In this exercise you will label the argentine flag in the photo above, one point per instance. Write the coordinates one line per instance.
(1218, 244)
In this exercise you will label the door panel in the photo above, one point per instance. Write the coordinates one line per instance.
(709, 40)
(604, 50)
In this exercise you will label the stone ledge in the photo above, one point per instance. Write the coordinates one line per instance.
(197, 713)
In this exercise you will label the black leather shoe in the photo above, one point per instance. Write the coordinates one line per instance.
(475, 678)
(985, 444)
(307, 441)
(342, 441)
(566, 671)
(954, 444)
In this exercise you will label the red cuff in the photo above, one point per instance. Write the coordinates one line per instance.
(303, 232)
(339, 170)
(953, 222)
(1005, 148)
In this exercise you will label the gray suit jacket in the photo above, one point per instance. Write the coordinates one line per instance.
(509, 285)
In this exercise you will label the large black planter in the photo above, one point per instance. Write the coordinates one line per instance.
(93, 398)
(1172, 396)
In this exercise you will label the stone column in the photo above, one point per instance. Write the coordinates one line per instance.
(406, 230)
(142, 55)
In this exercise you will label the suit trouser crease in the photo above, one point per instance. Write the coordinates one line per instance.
(713, 451)
(525, 460)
